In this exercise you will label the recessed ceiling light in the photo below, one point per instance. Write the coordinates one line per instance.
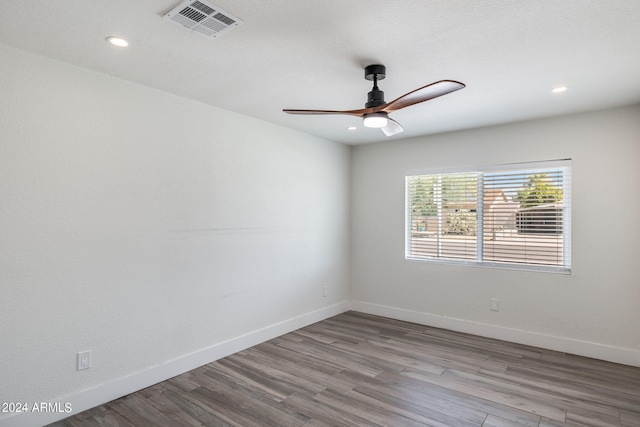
(352, 128)
(559, 89)
(118, 41)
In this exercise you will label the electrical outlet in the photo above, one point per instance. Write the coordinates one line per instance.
(84, 360)
(494, 304)
(325, 291)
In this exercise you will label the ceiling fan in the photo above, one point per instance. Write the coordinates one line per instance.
(376, 111)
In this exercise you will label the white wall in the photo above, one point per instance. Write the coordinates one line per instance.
(157, 232)
(594, 312)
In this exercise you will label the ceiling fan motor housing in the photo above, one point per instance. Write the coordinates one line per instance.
(375, 98)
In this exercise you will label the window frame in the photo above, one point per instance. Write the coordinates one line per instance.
(524, 167)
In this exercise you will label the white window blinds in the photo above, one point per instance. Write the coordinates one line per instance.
(515, 216)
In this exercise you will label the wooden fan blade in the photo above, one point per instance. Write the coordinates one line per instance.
(425, 93)
(358, 113)
(392, 127)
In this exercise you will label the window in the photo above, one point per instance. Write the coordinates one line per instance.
(511, 216)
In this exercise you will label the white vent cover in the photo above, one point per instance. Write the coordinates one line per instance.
(203, 18)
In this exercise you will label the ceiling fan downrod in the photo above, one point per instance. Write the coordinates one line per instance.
(376, 96)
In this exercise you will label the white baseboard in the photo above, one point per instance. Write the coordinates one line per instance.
(90, 398)
(625, 356)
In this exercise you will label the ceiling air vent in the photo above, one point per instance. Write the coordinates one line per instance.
(203, 17)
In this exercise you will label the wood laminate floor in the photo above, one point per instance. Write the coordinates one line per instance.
(362, 370)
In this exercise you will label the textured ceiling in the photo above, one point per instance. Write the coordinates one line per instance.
(311, 54)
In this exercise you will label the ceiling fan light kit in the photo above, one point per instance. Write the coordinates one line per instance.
(376, 111)
(375, 120)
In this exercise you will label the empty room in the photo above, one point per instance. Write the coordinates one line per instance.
(367, 213)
